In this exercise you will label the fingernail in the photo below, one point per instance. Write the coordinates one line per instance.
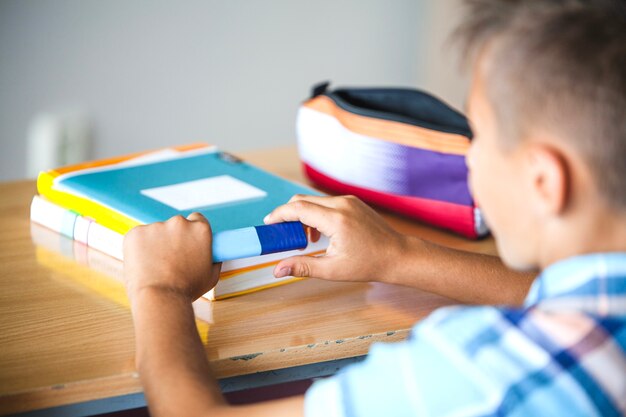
(283, 272)
(266, 218)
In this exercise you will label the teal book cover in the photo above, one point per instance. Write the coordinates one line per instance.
(228, 191)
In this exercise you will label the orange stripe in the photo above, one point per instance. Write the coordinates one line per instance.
(110, 161)
(255, 289)
(396, 132)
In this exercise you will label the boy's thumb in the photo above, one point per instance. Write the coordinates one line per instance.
(301, 266)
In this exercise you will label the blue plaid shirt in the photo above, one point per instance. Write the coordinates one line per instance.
(563, 354)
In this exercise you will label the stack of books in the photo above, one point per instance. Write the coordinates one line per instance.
(94, 273)
(97, 203)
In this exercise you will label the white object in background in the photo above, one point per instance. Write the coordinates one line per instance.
(76, 144)
(55, 140)
(44, 141)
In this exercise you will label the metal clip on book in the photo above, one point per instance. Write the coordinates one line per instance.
(258, 240)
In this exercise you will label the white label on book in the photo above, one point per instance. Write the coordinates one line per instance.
(205, 192)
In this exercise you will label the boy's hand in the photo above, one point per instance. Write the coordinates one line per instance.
(173, 256)
(363, 247)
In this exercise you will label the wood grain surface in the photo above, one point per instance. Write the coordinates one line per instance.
(63, 342)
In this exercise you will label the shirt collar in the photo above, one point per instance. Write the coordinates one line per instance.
(581, 277)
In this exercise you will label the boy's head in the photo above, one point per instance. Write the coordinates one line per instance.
(548, 109)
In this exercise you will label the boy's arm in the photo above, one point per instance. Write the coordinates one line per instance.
(167, 266)
(363, 247)
(465, 276)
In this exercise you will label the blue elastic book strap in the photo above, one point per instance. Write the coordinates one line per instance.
(259, 240)
(281, 237)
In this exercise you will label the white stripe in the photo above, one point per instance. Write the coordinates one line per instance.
(358, 160)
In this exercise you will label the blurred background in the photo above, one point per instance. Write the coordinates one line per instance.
(91, 79)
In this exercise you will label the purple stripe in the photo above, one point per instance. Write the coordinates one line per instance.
(413, 172)
(437, 176)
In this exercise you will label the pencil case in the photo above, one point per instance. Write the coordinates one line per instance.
(397, 148)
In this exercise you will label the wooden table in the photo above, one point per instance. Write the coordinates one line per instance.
(63, 343)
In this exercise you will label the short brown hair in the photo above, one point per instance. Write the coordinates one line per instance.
(560, 66)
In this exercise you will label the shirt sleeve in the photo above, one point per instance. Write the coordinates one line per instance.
(426, 375)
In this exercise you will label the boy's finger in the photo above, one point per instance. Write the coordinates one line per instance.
(325, 201)
(197, 217)
(311, 214)
(303, 266)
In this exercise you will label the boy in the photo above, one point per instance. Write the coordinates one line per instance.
(547, 166)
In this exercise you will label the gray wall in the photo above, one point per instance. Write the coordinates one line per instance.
(151, 74)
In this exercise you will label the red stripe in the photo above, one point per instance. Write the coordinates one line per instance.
(455, 217)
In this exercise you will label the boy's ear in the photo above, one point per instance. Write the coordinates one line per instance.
(549, 177)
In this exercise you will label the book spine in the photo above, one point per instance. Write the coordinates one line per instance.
(77, 227)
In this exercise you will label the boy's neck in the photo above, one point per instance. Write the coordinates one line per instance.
(603, 232)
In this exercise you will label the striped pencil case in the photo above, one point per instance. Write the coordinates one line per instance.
(401, 149)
